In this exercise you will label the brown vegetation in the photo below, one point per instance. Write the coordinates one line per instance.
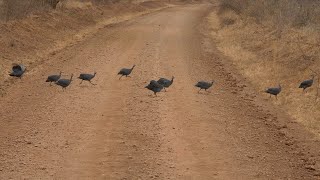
(285, 12)
(12, 9)
(274, 42)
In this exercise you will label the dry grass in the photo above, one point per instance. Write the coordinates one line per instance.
(279, 12)
(13, 9)
(274, 48)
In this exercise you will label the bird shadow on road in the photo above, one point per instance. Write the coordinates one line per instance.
(87, 86)
(205, 93)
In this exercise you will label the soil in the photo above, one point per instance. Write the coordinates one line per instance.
(118, 129)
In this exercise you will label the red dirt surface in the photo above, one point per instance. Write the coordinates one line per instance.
(119, 130)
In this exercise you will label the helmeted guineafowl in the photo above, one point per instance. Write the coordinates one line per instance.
(307, 83)
(18, 70)
(274, 91)
(125, 72)
(166, 83)
(154, 86)
(204, 85)
(87, 77)
(54, 78)
(64, 82)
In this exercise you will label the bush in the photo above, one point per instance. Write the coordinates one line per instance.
(11, 9)
(285, 12)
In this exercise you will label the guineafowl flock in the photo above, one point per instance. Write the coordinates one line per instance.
(155, 86)
(304, 85)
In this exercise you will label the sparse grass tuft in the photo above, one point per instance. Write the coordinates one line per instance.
(228, 21)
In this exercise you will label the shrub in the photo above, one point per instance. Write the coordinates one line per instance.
(285, 12)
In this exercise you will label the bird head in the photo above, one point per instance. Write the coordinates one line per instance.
(133, 66)
(148, 86)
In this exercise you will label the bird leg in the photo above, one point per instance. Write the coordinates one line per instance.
(120, 77)
(165, 89)
(92, 83)
(199, 90)
(81, 81)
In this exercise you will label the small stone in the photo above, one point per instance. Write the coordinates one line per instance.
(312, 168)
(249, 156)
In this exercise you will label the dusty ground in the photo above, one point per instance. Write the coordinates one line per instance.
(32, 40)
(118, 130)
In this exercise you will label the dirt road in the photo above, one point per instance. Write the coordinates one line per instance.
(119, 130)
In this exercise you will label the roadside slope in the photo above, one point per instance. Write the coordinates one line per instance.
(268, 55)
